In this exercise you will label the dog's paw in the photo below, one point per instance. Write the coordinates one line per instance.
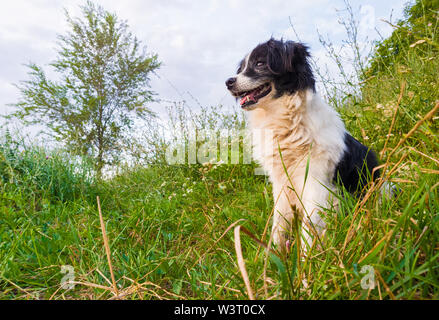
(279, 241)
(288, 245)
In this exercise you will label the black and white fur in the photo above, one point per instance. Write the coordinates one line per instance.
(276, 85)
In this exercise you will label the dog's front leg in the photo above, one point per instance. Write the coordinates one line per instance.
(315, 198)
(282, 218)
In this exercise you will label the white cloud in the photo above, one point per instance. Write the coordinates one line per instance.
(199, 42)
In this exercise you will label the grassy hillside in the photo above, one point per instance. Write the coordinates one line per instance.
(170, 228)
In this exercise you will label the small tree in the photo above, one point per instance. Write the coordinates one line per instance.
(102, 89)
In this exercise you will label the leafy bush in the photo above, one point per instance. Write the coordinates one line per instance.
(35, 171)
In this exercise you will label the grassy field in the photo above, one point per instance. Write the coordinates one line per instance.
(170, 228)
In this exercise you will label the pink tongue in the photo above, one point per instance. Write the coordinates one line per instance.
(249, 97)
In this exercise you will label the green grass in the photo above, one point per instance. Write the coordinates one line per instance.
(168, 226)
(165, 225)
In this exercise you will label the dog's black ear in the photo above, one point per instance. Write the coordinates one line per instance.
(286, 56)
(288, 61)
(276, 56)
(297, 55)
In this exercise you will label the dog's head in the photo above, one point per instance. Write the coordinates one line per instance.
(272, 69)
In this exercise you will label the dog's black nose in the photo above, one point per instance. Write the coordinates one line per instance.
(230, 82)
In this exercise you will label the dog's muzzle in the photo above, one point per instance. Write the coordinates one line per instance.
(248, 97)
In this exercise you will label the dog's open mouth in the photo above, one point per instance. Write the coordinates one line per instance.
(251, 97)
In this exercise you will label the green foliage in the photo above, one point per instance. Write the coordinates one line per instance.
(151, 144)
(167, 226)
(413, 66)
(419, 30)
(103, 87)
(35, 172)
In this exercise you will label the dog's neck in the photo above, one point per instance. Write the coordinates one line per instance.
(283, 115)
(298, 123)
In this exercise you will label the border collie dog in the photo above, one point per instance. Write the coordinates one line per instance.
(311, 151)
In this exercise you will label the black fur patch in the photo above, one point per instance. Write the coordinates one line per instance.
(355, 169)
(284, 63)
(288, 61)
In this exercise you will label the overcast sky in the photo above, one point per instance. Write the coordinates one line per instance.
(199, 42)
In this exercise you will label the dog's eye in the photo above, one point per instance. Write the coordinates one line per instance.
(260, 63)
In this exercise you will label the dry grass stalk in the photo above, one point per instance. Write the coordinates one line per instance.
(389, 292)
(218, 240)
(401, 94)
(241, 262)
(424, 155)
(107, 247)
(427, 117)
(385, 238)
